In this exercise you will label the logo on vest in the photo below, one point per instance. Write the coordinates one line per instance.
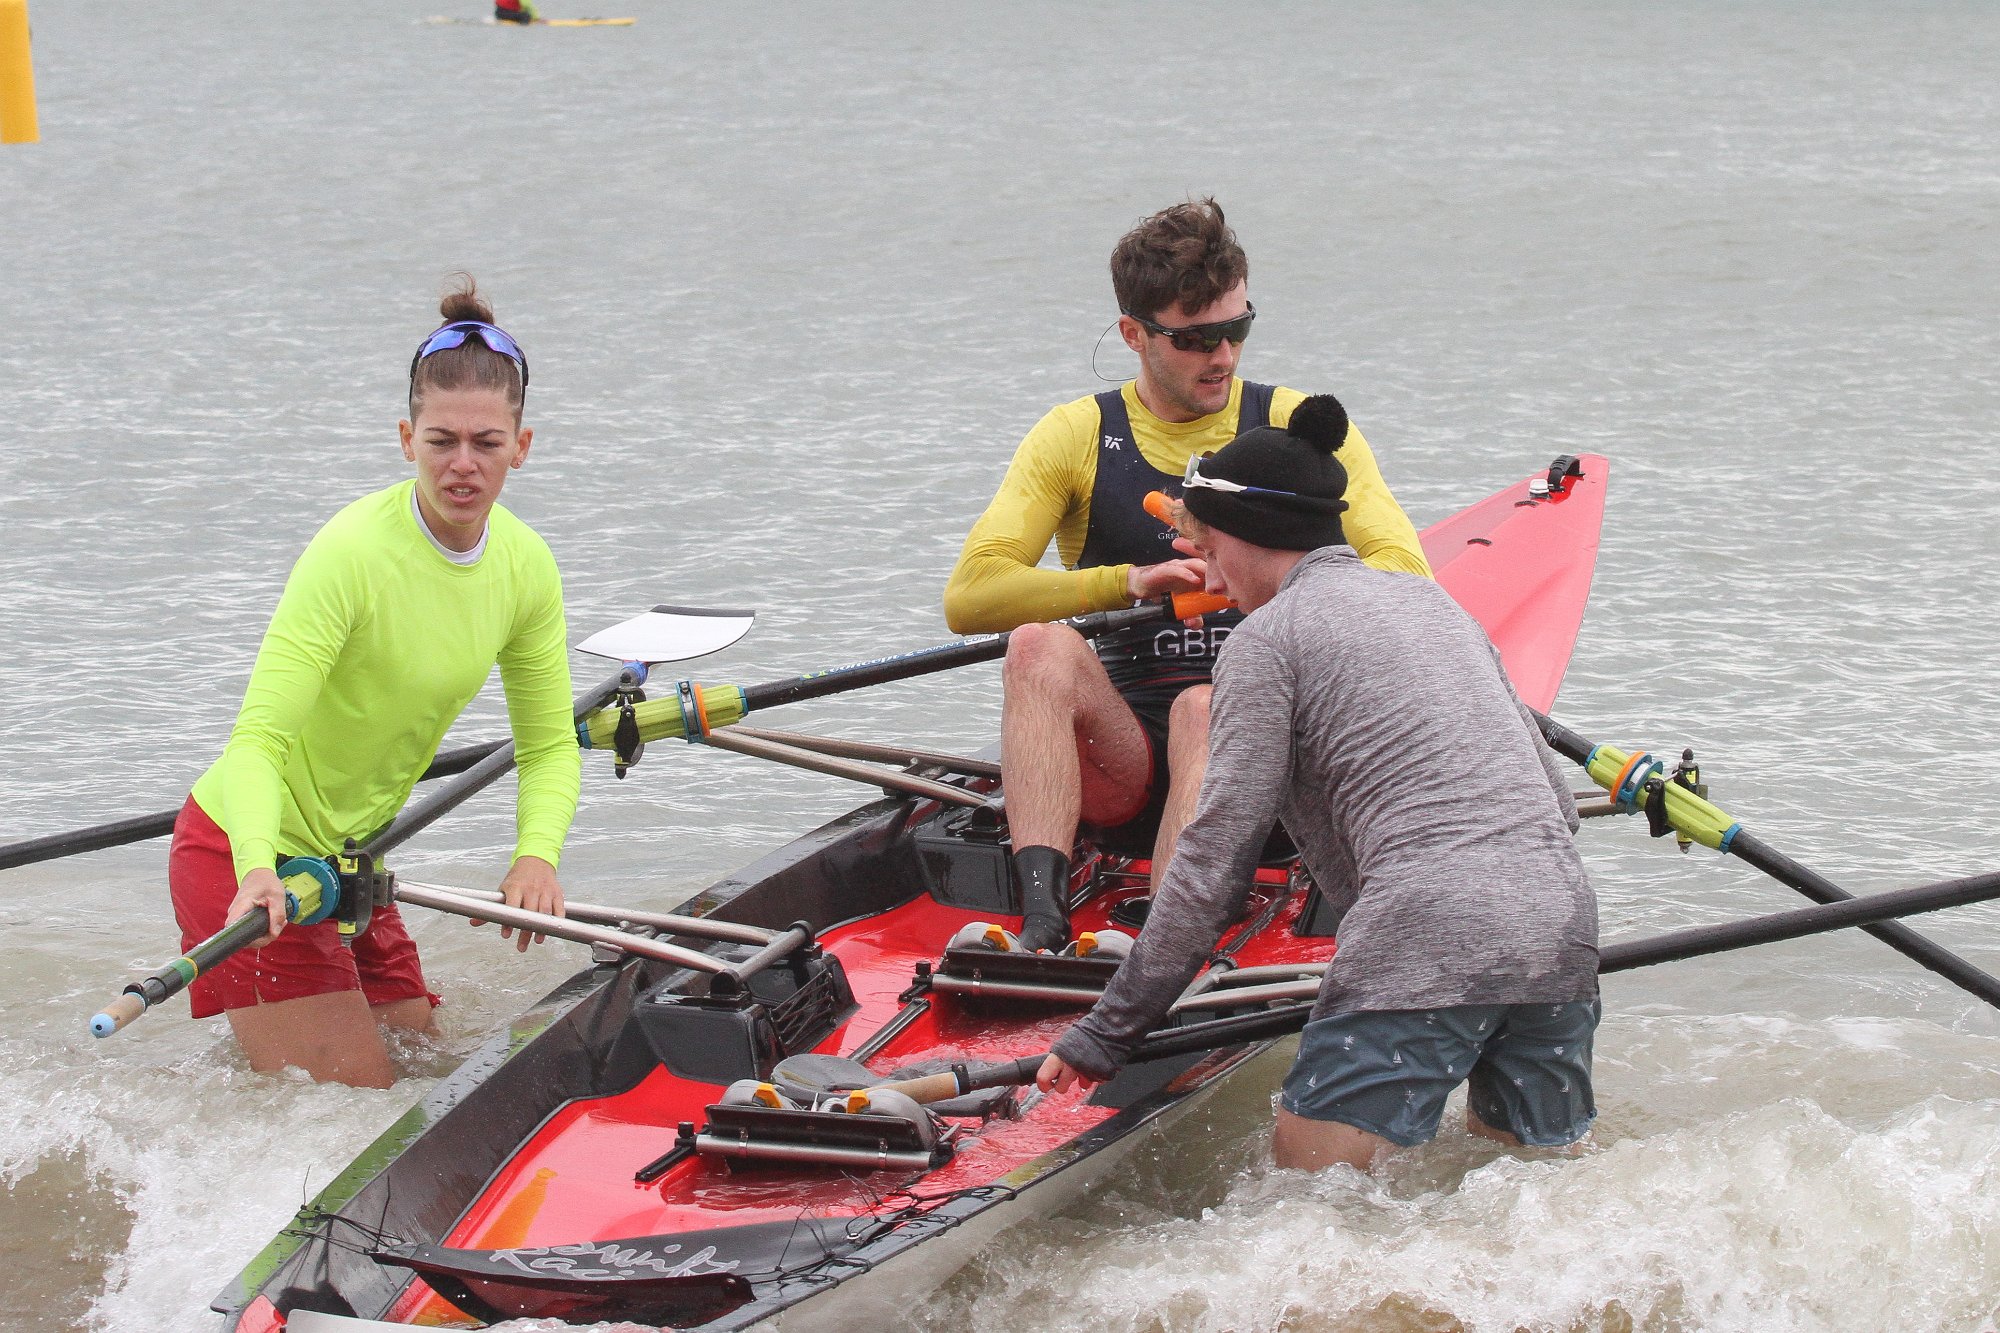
(1114, 442)
(1184, 642)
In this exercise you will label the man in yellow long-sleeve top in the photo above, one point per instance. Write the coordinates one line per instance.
(1117, 738)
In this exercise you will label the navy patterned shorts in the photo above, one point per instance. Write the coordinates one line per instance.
(1389, 1072)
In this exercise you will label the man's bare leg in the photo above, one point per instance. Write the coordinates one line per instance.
(1071, 750)
(1070, 746)
(1187, 760)
(1474, 1125)
(332, 1037)
(1299, 1144)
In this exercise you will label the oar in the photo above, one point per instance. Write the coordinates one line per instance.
(663, 634)
(140, 828)
(1286, 1019)
(699, 709)
(1623, 775)
(645, 634)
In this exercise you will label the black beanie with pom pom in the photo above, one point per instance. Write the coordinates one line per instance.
(1297, 462)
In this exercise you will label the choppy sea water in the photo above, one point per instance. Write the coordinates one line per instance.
(794, 282)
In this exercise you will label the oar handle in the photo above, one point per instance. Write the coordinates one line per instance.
(961, 1079)
(117, 1014)
(310, 886)
(175, 977)
(1185, 605)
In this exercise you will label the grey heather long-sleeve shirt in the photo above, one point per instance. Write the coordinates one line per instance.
(1371, 713)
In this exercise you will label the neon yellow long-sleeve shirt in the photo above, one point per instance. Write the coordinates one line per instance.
(377, 645)
(1046, 496)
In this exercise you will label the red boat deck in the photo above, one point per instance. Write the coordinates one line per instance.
(573, 1181)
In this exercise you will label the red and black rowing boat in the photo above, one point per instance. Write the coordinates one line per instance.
(688, 1141)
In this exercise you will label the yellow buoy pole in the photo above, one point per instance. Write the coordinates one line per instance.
(17, 76)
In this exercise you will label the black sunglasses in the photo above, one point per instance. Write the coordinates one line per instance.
(1203, 337)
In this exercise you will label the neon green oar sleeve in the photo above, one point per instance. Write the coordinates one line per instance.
(665, 719)
(1624, 776)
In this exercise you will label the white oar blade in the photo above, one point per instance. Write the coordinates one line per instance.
(670, 634)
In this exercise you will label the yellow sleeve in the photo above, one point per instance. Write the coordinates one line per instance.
(534, 670)
(1374, 524)
(996, 584)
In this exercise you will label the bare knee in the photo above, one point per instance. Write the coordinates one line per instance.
(1189, 715)
(1046, 660)
(1187, 735)
(1299, 1144)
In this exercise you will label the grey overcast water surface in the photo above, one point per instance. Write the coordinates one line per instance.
(794, 281)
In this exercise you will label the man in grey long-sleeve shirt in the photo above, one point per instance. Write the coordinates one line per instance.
(1371, 713)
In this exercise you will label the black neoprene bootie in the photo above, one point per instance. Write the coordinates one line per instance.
(1043, 876)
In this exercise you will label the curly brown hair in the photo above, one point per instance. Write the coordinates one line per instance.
(1183, 257)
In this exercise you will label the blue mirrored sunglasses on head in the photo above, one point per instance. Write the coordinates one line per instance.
(1203, 337)
(1194, 481)
(454, 335)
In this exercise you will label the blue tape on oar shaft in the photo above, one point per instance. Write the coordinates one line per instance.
(694, 728)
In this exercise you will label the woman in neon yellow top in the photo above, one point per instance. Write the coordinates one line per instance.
(390, 622)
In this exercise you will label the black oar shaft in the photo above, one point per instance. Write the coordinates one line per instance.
(115, 834)
(1850, 911)
(1897, 936)
(1690, 943)
(878, 672)
(141, 828)
(1756, 852)
(925, 661)
(481, 774)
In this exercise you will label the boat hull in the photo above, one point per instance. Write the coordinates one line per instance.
(555, 1173)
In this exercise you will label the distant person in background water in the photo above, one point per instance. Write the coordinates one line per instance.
(515, 11)
(389, 624)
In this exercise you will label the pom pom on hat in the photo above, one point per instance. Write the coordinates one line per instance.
(1297, 503)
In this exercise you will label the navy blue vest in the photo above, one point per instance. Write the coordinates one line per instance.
(1121, 532)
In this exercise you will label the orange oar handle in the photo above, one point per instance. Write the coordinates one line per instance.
(1156, 505)
(1186, 604)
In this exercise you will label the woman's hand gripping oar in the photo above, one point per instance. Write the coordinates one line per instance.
(664, 634)
(308, 892)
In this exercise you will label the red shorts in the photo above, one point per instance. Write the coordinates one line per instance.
(304, 960)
